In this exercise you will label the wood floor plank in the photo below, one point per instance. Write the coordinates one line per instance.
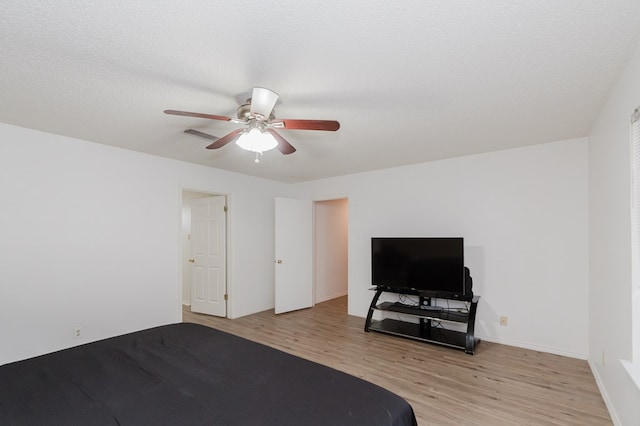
(499, 385)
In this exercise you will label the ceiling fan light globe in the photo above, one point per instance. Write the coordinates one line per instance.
(262, 102)
(256, 141)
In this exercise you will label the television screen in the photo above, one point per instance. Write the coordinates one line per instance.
(432, 266)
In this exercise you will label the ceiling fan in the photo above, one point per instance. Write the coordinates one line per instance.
(258, 117)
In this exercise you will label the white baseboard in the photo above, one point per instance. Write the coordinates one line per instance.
(633, 368)
(330, 297)
(519, 344)
(603, 393)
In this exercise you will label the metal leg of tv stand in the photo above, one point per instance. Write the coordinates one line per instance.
(470, 340)
(372, 306)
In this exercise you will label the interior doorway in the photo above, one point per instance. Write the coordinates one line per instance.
(200, 295)
(331, 243)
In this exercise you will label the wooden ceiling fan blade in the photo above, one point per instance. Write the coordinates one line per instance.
(285, 123)
(283, 146)
(202, 135)
(198, 115)
(226, 139)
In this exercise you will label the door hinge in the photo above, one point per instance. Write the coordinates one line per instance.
(226, 297)
(225, 209)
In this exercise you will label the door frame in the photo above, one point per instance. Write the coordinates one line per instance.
(228, 244)
(316, 230)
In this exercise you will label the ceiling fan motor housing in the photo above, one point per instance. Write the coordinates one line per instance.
(244, 112)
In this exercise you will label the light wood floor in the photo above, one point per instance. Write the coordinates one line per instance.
(499, 385)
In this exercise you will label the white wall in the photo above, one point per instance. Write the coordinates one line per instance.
(523, 214)
(331, 223)
(610, 313)
(90, 237)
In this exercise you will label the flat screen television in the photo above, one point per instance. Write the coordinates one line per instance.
(432, 267)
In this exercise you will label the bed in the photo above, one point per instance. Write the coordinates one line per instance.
(188, 374)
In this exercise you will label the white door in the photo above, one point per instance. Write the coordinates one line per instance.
(208, 251)
(294, 255)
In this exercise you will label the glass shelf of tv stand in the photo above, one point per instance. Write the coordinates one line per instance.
(451, 315)
(429, 328)
(437, 335)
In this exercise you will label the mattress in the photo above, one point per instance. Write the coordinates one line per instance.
(188, 374)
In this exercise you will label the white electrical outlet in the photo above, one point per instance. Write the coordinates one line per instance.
(77, 332)
(504, 321)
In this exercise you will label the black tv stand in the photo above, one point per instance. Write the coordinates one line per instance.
(429, 327)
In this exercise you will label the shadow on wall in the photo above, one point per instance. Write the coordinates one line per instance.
(474, 260)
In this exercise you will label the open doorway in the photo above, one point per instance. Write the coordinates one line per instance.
(204, 252)
(331, 226)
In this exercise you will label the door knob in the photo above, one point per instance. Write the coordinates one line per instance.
(192, 261)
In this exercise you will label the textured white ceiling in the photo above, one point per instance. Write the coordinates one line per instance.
(410, 81)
